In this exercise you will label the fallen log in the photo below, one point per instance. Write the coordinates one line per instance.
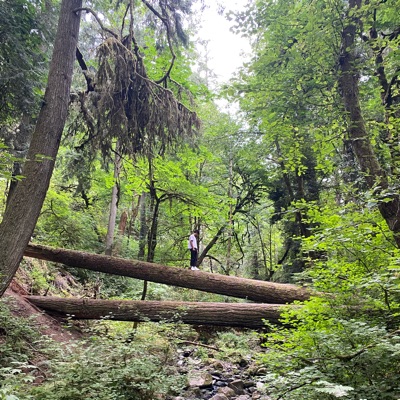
(250, 289)
(248, 315)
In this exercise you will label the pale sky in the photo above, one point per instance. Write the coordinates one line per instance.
(225, 48)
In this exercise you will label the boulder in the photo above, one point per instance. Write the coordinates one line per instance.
(238, 386)
(200, 379)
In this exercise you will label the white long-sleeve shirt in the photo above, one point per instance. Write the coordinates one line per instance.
(192, 245)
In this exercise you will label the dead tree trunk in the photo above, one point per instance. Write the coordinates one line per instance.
(219, 314)
(259, 291)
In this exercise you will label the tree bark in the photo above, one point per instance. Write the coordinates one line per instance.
(374, 174)
(348, 83)
(259, 291)
(113, 204)
(195, 313)
(26, 201)
(20, 149)
(143, 229)
(211, 243)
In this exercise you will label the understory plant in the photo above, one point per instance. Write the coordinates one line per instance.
(324, 356)
(345, 341)
(112, 362)
(105, 366)
(22, 350)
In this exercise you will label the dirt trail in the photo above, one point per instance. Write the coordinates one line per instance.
(46, 324)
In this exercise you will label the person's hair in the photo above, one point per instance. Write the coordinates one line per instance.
(196, 231)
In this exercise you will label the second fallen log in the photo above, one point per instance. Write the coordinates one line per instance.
(246, 315)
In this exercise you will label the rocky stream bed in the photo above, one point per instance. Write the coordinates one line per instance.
(220, 380)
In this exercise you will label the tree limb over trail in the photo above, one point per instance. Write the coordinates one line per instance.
(248, 315)
(250, 289)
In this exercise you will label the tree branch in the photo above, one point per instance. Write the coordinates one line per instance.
(89, 10)
(164, 20)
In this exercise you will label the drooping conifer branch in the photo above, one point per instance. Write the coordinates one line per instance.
(123, 102)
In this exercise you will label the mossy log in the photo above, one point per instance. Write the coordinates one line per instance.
(249, 315)
(249, 289)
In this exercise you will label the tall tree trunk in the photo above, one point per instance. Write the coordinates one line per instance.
(230, 221)
(152, 233)
(113, 204)
(27, 199)
(143, 230)
(269, 267)
(268, 271)
(292, 196)
(122, 223)
(211, 243)
(20, 148)
(358, 135)
(142, 226)
(197, 313)
(259, 291)
(134, 213)
(390, 95)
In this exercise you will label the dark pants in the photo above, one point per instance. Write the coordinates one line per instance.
(193, 258)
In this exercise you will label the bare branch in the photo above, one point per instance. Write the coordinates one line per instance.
(89, 10)
(165, 21)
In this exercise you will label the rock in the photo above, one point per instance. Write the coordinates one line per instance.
(252, 388)
(237, 385)
(193, 393)
(261, 371)
(260, 386)
(219, 396)
(227, 391)
(220, 383)
(260, 396)
(243, 397)
(200, 379)
(187, 352)
(193, 361)
(205, 394)
(243, 363)
(249, 384)
(217, 365)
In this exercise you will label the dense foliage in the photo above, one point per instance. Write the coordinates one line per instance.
(300, 186)
(322, 89)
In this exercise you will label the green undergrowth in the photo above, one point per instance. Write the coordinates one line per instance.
(345, 343)
(330, 352)
(23, 351)
(114, 360)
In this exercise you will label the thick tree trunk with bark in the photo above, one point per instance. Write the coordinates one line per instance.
(26, 201)
(219, 314)
(20, 149)
(259, 291)
(348, 82)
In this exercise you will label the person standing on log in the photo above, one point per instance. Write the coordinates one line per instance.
(194, 250)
